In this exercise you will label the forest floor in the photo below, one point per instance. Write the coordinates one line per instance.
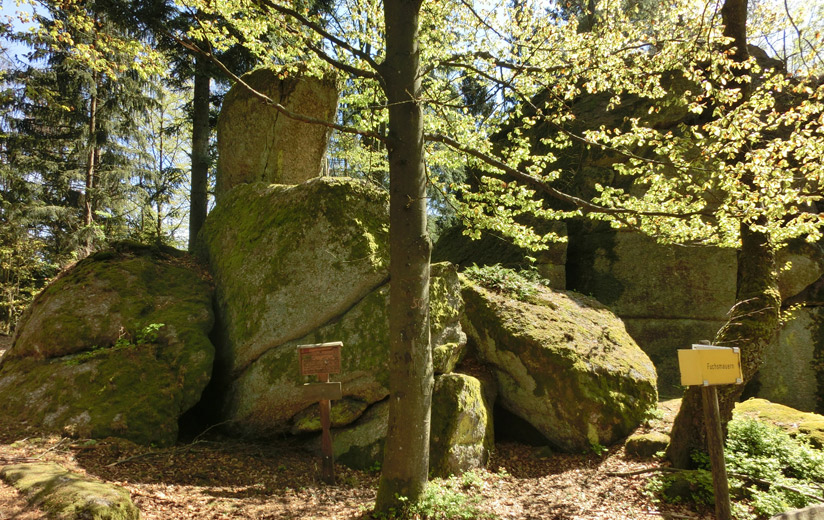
(219, 478)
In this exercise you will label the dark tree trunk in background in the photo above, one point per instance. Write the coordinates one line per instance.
(406, 457)
(754, 318)
(200, 148)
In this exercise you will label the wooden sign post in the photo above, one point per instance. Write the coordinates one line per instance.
(320, 360)
(708, 366)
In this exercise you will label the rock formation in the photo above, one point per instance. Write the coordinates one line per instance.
(116, 346)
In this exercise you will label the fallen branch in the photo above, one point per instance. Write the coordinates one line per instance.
(664, 469)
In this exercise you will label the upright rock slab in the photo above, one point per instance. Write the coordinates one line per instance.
(563, 362)
(257, 143)
(116, 346)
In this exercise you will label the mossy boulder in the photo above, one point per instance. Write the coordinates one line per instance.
(68, 495)
(789, 419)
(289, 259)
(116, 346)
(268, 397)
(461, 433)
(360, 445)
(646, 445)
(563, 362)
(257, 143)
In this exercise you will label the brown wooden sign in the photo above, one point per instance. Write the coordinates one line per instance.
(320, 358)
(331, 391)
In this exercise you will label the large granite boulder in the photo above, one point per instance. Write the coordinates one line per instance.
(563, 362)
(668, 296)
(308, 264)
(289, 259)
(268, 396)
(799, 265)
(256, 142)
(116, 346)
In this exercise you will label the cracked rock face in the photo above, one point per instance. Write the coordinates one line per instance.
(308, 264)
(256, 142)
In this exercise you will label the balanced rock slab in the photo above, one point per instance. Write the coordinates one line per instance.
(288, 259)
(117, 346)
(267, 396)
(257, 143)
(563, 362)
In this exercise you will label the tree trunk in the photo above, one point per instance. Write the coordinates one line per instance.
(752, 322)
(88, 214)
(406, 455)
(754, 318)
(200, 149)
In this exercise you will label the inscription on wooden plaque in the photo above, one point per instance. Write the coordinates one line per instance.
(320, 358)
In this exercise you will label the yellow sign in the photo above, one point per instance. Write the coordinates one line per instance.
(710, 365)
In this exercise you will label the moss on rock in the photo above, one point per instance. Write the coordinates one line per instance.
(563, 362)
(117, 346)
(64, 494)
(461, 435)
(288, 259)
(789, 419)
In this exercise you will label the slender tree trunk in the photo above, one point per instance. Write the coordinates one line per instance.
(88, 213)
(406, 456)
(200, 149)
(754, 318)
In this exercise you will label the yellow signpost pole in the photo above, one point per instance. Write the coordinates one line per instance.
(708, 366)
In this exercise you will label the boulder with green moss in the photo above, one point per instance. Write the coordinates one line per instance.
(68, 495)
(257, 143)
(268, 396)
(461, 433)
(789, 419)
(563, 362)
(289, 259)
(116, 346)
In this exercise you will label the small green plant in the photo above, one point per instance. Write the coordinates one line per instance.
(770, 471)
(598, 448)
(148, 334)
(520, 284)
(447, 499)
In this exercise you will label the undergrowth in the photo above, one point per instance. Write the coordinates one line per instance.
(520, 284)
(453, 498)
(769, 472)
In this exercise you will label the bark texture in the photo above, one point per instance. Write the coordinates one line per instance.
(200, 148)
(406, 459)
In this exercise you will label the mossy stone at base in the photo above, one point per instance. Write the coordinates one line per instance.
(563, 362)
(461, 433)
(66, 495)
(646, 445)
(789, 419)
